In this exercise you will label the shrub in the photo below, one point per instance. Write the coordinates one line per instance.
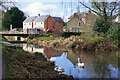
(64, 27)
(68, 34)
(101, 25)
(31, 37)
(114, 33)
(37, 53)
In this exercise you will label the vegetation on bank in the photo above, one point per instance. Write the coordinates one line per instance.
(21, 64)
(49, 37)
(68, 34)
(114, 34)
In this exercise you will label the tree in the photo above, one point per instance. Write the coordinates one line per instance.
(103, 9)
(13, 17)
(114, 34)
(101, 25)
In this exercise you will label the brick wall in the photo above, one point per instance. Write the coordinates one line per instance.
(83, 19)
(49, 23)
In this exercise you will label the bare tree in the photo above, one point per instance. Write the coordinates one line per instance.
(5, 4)
(102, 9)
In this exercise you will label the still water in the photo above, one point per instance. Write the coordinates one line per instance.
(80, 64)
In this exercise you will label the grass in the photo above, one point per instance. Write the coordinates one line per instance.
(50, 37)
(92, 38)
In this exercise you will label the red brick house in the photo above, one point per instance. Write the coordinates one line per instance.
(43, 22)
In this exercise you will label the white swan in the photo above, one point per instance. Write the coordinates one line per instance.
(80, 65)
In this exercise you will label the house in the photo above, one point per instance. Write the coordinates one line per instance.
(42, 22)
(117, 20)
(81, 21)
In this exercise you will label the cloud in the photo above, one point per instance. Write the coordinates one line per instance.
(36, 8)
(39, 8)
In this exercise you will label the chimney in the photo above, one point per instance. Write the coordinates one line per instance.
(38, 14)
(78, 11)
(75, 14)
(89, 12)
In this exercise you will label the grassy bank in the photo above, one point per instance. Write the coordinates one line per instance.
(77, 42)
(49, 37)
(21, 64)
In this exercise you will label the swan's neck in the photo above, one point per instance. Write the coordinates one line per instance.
(78, 60)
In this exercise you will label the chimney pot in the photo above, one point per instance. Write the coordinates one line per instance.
(38, 14)
(75, 14)
(89, 12)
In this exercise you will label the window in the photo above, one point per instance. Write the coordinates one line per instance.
(24, 24)
(53, 26)
(29, 23)
(41, 22)
(35, 23)
(79, 24)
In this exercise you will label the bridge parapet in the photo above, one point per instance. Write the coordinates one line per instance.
(12, 32)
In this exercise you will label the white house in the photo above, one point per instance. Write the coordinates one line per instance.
(42, 22)
(117, 19)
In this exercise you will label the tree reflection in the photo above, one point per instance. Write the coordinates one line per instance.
(102, 63)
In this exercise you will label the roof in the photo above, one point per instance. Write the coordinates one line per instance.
(41, 18)
(79, 15)
(57, 19)
(29, 19)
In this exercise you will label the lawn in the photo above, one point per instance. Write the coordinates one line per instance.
(50, 37)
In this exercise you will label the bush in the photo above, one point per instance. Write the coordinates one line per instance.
(64, 27)
(68, 34)
(114, 33)
(101, 25)
(31, 37)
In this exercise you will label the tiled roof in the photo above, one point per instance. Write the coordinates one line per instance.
(41, 18)
(29, 19)
(79, 15)
(57, 19)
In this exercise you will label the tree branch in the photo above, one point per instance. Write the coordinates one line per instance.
(90, 8)
(97, 6)
(113, 9)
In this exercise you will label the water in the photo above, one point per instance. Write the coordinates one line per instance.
(80, 64)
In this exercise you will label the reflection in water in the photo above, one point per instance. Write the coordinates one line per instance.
(83, 65)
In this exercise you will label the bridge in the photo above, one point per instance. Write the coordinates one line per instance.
(17, 33)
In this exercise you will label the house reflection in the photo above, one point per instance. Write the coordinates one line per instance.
(47, 51)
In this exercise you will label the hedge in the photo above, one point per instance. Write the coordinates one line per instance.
(68, 34)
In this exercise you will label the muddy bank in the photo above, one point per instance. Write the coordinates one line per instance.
(21, 64)
(77, 43)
